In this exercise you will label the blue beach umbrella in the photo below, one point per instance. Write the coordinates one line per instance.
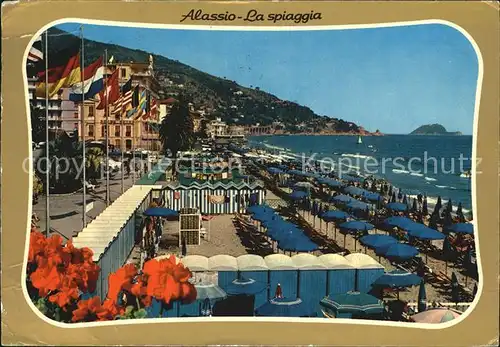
(423, 232)
(297, 243)
(375, 241)
(422, 297)
(371, 196)
(274, 170)
(397, 206)
(462, 228)
(397, 251)
(342, 198)
(245, 286)
(209, 291)
(357, 205)
(333, 215)
(273, 220)
(398, 279)
(353, 302)
(400, 222)
(259, 209)
(160, 212)
(350, 178)
(261, 217)
(298, 195)
(285, 307)
(354, 190)
(356, 225)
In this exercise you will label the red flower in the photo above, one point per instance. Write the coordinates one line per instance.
(37, 245)
(85, 308)
(167, 280)
(46, 278)
(67, 292)
(121, 280)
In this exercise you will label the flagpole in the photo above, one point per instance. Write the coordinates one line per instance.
(47, 176)
(122, 145)
(106, 110)
(82, 67)
(133, 147)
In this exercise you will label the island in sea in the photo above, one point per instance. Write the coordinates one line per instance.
(433, 129)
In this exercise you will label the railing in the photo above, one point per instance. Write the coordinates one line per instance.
(461, 306)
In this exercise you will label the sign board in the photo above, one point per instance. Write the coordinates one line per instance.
(89, 207)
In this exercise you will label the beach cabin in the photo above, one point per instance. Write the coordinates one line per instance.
(111, 235)
(341, 274)
(226, 267)
(282, 270)
(367, 270)
(254, 267)
(312, 279)
(196, 264)
(212, 197)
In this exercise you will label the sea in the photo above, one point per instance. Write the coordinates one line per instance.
(431, 165)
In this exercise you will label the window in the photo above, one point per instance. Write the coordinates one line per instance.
(91, 130)
(123, 73)
(75, 126)
(117, 130)
(128, 131)
(75, 115)
(128, 144)
(103, 131)
(91, 112)
(118, 143)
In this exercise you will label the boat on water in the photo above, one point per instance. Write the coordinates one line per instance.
(359, 140)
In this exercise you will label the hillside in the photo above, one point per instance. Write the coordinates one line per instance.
(433, 129)
(221, 97)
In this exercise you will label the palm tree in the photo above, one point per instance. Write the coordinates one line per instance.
(177, 130)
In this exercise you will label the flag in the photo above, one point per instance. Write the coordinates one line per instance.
(141, 108)
(56, 59)
(154, 109)
(111, 91)
(35, 54)
(147, 107)
(135, 102)
(125, 98)
(110, 61)
(60, 77)
(93, 82)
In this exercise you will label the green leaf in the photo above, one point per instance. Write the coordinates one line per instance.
(140, 313)
(128, 310)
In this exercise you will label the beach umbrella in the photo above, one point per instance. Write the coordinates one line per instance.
(414, 206)
(354, 190)
(206, 308)
(425, 210)
(342, 198)
(334, 215)
(209, 291)
(297, 243)
(298, 195)
(397, 206)
(333, 183)
(356, 226)
(447, 220)
(435, 316)
(262, 216)
(160, 212)
(455, 288)
(405, 200)
(449, 206)
(397, 279)
(357, 205)
(304, 184)
(274, 170)
(284, 307)
(353, 302)
(398, 221)
(422, 232)
(259, 209)
(439, 203)
(422, 297)
(245, 286)
(377, 240)
(372, 196)
(397, 251)
(462, 228)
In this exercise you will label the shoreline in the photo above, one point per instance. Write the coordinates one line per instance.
(316, 134)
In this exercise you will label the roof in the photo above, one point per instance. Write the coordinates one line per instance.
(195, 262)
(100, 232)
(335, 261)
(251, 262)
(363, 261)
(222, 262)
(279, 262)
(307, 261)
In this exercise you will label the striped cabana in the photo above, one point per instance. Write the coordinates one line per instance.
(282, 270)
(226, 267)
(254, 267)
(195, 263)
(312, 279)
(341, 274)
(367, 270)
(111, 235)
(213, 198)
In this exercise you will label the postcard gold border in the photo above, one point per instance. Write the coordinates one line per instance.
(21, 325)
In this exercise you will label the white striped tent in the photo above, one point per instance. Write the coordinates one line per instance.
(198, 195)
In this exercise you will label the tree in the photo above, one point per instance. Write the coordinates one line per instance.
(37, 187)
(37, 116)
(93, 162)
(177, 130)
(425, 210)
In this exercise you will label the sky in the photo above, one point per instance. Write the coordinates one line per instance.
(391, 79)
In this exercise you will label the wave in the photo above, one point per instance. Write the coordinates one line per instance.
(356, 156)
(432, 201)
(274, 147)
(442, 186)
(416, 174)
(397, 171)
(430, 179)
